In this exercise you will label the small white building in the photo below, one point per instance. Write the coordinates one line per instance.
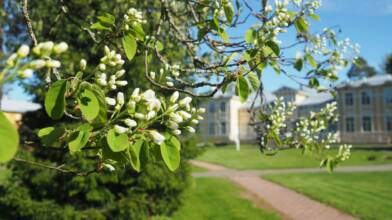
(13, 109)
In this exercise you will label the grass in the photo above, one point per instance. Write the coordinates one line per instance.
(196, 169)
(219, 199)
(365, 195)
(249, 157)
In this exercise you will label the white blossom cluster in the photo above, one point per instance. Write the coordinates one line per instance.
(111, 62)
(279, 114)
(344, 152)
(133, 17)
(144, 109)
(25, 68)
(169, 72)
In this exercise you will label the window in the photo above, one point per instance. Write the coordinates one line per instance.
(350, 124)
(389, 123)
(223, 127)
(365, 97)
(349, 98)
(366, 123)
(211, 107)
(223, 107)
(211, 128)
(388, 95)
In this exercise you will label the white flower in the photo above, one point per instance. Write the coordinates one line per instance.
(148, 95)
(27, 73)
(135, 94)
(23, 51)
(46, 46)
(174, 97)
(177, 132)
(83, 64)
(110, 101)
(185, 101)
(152, 75)
(120, 129)
(176, 117)
(173, 107)
(190, 129)
(157, 137)
(150, 115)
(102, 82)
(120, 98)
(130, 123)
(60, 48)
(194, 121)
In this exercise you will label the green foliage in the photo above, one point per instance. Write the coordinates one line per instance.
(130, 45)
(79, 138)
(55, 99)
(170, 151)
(50, 135)
(88, 103)
(242, 88)
(9, 139)
(117, 142)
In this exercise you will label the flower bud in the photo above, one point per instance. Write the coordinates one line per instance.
(110, 101)
(47, 46)
(185, 115)
(176, 117)
(106, 49)
(37, 64)
(23, 51)
(11, 59)
(122, 83)
(174, 97)
(185, 101)
(190, 129)
(195, 121)
(130, 123)
(170, 84)
(150, 115)
(173, 107)
(131, 104)
(120, 73)
(120, 98)
(53, 63)
(120, 129)
(109, 167)
(152, 75)
(201, 110)
(60, 48)
(135, 93)
(27, 73)
(157, 137)
(102, 67)
(177, 132)
(83, 64)
(172, 125)
(140, 116)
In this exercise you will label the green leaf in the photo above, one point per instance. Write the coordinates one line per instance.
(100, 26)
(117, 142)
(301, 25)
(107, 19)
(249, 36)
(229, 11)
(137, 31)
(222, 33)
(50, 136)
(55, 99)
(274, 47)
(139, 154)
(314, 83)
(171, 153)
(79, 138)
(229, 58)
(242, 88)
(9, 139)
(159, 46)
(88, 103)
(298, 65)
(315, 17)
(129, 45)
(311, 60)
(102, 114)
(254, 80)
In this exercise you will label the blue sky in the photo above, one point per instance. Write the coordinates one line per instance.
(367, 22)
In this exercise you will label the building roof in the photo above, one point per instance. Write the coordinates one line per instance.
(376, 80)
(315, 99)
(18, 106)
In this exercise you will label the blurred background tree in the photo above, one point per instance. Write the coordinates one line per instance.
(387, 66)
(38, 193)
(361, 69)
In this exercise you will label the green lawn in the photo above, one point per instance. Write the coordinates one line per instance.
(196, 169)
(366, 195)
(218, 199)
(249, 157)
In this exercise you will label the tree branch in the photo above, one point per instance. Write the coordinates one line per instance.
(27, 19)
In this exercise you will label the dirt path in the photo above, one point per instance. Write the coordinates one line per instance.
(289, 203)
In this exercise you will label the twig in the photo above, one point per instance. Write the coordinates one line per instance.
(28, 23)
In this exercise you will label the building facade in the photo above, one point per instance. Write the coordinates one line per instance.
(365, 108)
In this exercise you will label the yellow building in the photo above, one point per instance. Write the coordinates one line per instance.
(365, 108)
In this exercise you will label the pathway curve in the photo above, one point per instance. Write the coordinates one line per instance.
(286, 201)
